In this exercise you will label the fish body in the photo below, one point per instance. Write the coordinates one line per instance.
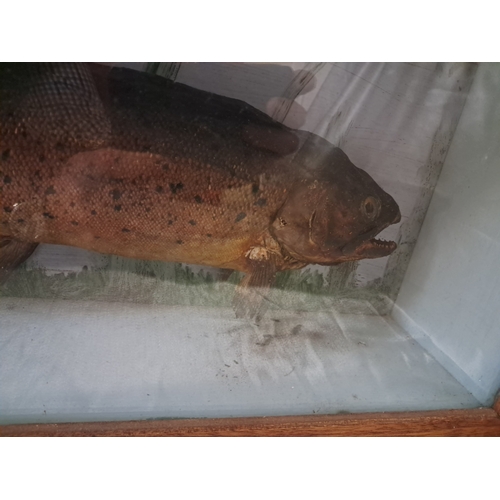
(127, 163)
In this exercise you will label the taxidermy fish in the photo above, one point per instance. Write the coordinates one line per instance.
(128, 163)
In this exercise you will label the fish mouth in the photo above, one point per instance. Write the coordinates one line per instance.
(366, 246)
(370, 249)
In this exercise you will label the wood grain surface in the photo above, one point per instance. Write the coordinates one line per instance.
(476, 422)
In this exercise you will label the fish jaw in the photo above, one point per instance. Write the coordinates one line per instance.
(366, 246)
(371, 249)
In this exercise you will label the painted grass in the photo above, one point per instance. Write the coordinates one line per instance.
(128, 280)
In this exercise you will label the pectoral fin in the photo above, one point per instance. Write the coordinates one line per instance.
(250, 294)
(13, 253)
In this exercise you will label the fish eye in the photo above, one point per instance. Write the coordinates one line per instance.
(371, 207)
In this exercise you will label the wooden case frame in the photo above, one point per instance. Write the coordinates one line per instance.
(475, 422)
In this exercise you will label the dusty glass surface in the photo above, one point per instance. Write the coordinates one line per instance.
(198, 240)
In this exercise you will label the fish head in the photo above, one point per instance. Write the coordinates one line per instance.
(333, 214)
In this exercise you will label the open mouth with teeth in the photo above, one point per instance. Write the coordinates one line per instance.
(370, 249)
(366, 246)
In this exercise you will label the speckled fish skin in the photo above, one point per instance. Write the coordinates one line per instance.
(127, 163)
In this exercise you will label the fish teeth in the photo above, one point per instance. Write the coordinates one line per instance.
(382, 243)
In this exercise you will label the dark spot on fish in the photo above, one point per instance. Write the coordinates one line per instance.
(117, 159)
(59, 146)
(240, 216)
(20, 220)
(125, 230)
(170, 222)
(37, 173)
(93, 212)
(50, 190)
(209, 235)
(41, 158)
(192, 222)
(148, 209)
(159, 189)
(72, 204)
(198, 199)
(24, 134)
(118, 208)
(165, 167)
(261, 202)
(255, 188)
(176, 187)
(5, 154)
(97, 237)
(48, 215)
(74, 223)
(85, 268)
(180, 242)
(116, 193)
(7, 179)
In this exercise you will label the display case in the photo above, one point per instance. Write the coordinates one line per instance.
(409, 342)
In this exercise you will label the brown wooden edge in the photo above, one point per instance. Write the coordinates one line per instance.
(476, 422)
(496, 404)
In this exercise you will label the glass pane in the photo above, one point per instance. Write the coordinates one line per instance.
(220, 239)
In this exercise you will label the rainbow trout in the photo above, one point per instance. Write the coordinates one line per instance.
(127, 163)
